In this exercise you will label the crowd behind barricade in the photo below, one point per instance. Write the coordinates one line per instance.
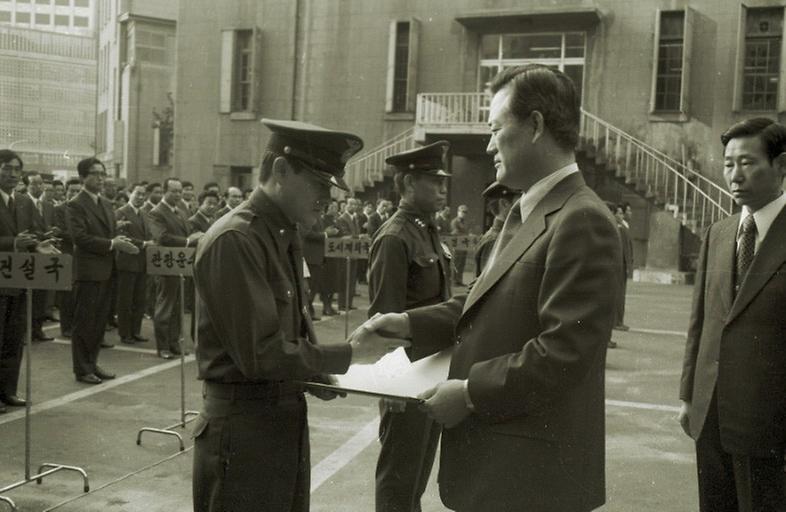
(106, 227)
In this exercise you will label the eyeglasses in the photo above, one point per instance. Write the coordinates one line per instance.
(10, 168)
(102, 174)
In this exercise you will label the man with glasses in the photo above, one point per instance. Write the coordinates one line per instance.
(91, 221)
(16, 224)
(256, 339)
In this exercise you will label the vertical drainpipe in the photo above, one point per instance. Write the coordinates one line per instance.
(301, 58)
(295, 55)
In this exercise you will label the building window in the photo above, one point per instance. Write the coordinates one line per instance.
(563, 51)
(42, 2)
(82, 3)
(668, 83)
(42, 19)
(5, 16)
(402, 65)
(23, 17)
(61, 20)
(238, 65)
(762, 58)
(80, 21)
(62, 2)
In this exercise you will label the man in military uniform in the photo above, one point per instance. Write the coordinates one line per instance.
(500, 199)
(256, 339)
(409, 268)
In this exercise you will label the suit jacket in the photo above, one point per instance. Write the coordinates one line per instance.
(169, 228)
(314, 244)
(198, 222)
(61, 221)
(736, 347)
(347, 226)
(374, 223)
(92, 227)
(13, 223)
(138, 231)
(531, 339)
(627, 249)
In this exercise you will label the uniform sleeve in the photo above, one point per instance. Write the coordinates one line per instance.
(240, 303)
(576, 307)
(387, 278)
(77, 225)
(696, 324)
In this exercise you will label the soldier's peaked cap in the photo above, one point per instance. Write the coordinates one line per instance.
(424, 160)
(324, 152)
(497, 190)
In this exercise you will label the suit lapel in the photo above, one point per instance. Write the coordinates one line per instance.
(770, 256)
(522, 240)
(93, 208)
(725, 254)
(8, 217)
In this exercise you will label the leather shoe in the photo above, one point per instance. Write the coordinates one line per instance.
(128, 341)
(40, 336)
(612, 344)
(165, 354)
(13, 400)
(106, 344)
(139, 338)
(89, 378)
(621, 327)
(103, 374)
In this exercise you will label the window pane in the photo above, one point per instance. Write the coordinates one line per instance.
(82, 3)
(487, 73)
(23, 17)
(400, 69)
(489, 46)
(761, 70)
(574, 45)
(61, 2)
(5, 16)
(61, 21)
(668, 81)
(80, 21)
(531, 46)
(42, 19)
(576, 73)
(764, 22)
(244, 70)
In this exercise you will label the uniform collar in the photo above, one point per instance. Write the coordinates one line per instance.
(270, 211)
(421, 219)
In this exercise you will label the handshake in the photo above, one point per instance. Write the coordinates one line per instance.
(378, 336)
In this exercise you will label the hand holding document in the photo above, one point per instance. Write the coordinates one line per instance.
(368, 345)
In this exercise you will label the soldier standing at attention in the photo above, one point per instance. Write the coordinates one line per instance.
(256, 338)
(409, 268)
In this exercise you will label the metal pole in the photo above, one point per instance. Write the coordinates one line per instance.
(182, 350)
(28, 379)
(348, 299)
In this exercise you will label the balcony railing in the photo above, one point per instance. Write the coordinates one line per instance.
(369, 167)
(455, 108)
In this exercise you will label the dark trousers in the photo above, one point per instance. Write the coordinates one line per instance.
(252, 455)
(330, 275)
(459, 261)
(167, 321)
(736, 483)
(345, 301)
(151, 283)
(112, 298)
(39, 309)
(12, 335)
(622, 290)
(409, 443)
(91, 312)
(315, 283)
(65, 303)
(130, 303)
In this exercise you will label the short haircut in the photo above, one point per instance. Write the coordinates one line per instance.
(28, 175)
(266, 167)
(73, 181)
(210, 184)
(207, 193)
(550, 92)
(84, 166)
(56, 183)
(6, 155)
(166, 182)
(187, 184)
(771, 134)
(151, 187)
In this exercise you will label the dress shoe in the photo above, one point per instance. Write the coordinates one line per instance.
(140, 339)
(165, 354)
(89, 378)
(128, 341)
(40, 336)
(612, 344)
(621, 327)
(13, 400)
(106, 344)
(65, 334)
(103, 374)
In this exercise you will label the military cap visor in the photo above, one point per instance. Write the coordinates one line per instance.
(427, 160)
(321, 151)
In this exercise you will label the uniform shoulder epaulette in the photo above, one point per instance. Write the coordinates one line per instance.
(392, 226)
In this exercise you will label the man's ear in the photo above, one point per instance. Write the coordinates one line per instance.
(281, 169)
(780, 163)
(538, 125)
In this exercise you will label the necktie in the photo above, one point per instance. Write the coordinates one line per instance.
(12, 209)
(512, 224)
(746, 245)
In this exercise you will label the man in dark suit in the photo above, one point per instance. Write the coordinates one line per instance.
(375, 220)
(523, 409)
(16, 235)
(314, 255)
(43, 219)
(348, 227)
(627, 266)
(91, 221)
(154, 194)
(203, 218)
(65, 298)
(132, 223)
(733, 384)
(170, 228)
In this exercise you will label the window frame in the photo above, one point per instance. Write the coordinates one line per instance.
(229, 74)
(682, 114)
(413, 41)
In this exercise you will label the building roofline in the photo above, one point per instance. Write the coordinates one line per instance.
(578, 16)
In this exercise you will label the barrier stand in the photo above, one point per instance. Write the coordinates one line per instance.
(31, 271)
(174, 261)
(348, 297)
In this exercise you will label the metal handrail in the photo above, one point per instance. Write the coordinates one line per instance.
(363, 170)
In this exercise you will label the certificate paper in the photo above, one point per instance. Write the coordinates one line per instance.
(394, 376)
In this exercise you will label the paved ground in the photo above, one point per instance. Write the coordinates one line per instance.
(650, 464)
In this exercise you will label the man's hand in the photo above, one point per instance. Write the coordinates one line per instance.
(684, 417)
(325, 394)
(47, 247)
(369, 346)
(25, 241)
(445, 403)
(124, 244)
(395, 325)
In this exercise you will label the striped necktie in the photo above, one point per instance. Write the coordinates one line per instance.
(746, 245)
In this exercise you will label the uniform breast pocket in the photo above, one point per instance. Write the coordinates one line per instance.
(283, 291)
(426, 260)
